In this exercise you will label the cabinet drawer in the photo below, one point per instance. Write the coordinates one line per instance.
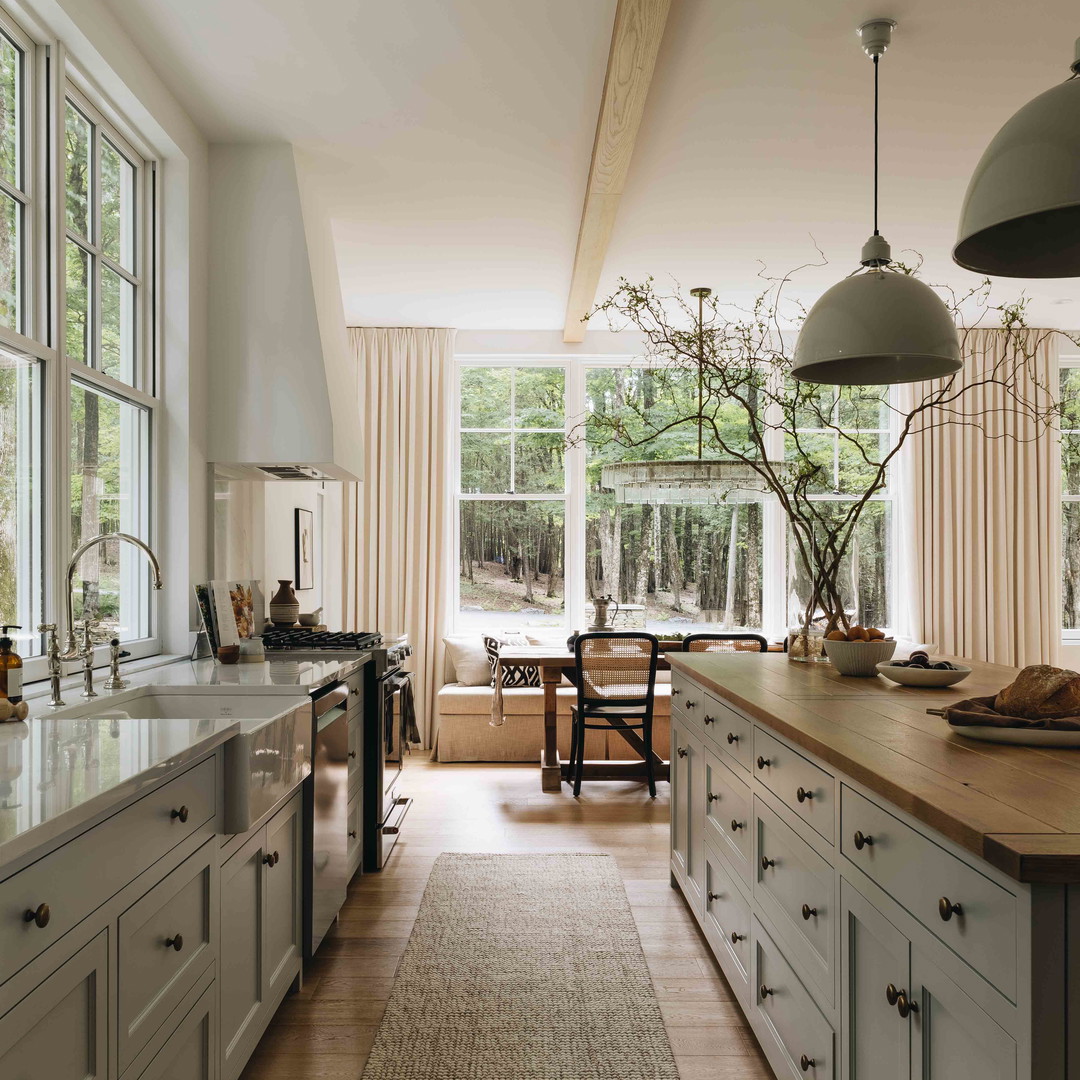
(799, 783)
(165, 941)
(731, 731)
(931, 883)
(788, 1013)
(687, 698)
(189, 1053)
(727, 923)
(795, 889)
(101, 861)
(356, 752)
(728, 815)
(354, 850)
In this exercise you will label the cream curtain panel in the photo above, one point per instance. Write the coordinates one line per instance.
(983, 532)
(396, 572)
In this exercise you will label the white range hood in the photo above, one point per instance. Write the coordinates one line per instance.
(284, 399)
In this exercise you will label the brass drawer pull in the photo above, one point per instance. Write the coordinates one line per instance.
(182, 814)
(691, 704)
(808, 911)
(736, 824)
(764, 991)
(39, 916)
(709, 719)
(861, 841)
(355, 691)
(891, 994)
(713, 797)
(905, 1006)
(762, 762)
(732, 738)
(675, 692)
(736, 937)
(947, 909)
(176, 942)
(803, 795)
(766, 862)
(271, 858)
(807, 1063)
(681, 751)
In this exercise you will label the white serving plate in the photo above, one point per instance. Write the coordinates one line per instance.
(1021, 736)
(909, 676)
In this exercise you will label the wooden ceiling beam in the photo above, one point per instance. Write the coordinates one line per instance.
(635, 42)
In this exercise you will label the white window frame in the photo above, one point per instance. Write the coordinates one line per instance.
(774, 554)
(1069, 635)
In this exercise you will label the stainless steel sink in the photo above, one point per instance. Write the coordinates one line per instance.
(265, 758)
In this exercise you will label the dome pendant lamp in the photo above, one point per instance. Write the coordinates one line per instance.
(880, 326)
(1021, 215)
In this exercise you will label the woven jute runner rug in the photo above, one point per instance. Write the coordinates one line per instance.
(523, 967)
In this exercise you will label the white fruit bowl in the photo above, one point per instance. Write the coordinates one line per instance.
(859, 658)
(914, 676)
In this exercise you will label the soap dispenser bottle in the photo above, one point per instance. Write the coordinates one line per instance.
(11, 669)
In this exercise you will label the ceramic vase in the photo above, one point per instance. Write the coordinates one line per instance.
(284, 607)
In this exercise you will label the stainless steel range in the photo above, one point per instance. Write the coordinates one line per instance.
(388, 718)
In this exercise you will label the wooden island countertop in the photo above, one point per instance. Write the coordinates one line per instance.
(1016, 807)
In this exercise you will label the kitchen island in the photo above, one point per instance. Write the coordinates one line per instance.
(887, 898)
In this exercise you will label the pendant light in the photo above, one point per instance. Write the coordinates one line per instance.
(1021, 215)
(880, 326)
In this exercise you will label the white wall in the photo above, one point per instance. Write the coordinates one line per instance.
(1070, 657)
(101, 48)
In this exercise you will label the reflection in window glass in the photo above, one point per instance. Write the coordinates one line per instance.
(109, 491)
(77, 163)
(1069, 387)
(78, 303)
(20, 500)
(10, 135)
(512, 571)
(117, 206)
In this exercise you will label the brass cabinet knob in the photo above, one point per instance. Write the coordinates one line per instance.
(732, 737)
(713, 797)
(736, 824)
(807, 1063)
(691, 704)
(736, 937)
(764, 991)
(862, 840)
(709, 719)
(808, 912)
(271, 858)
(355, 691)
(681, 750)
(891, 994)
(675, 691)
(766, 862)
(803, 795)
(176, 942)
(905, 1006)
(39, 916)
(947, 909)
(762, 762)
(182, 814)
(715, 896)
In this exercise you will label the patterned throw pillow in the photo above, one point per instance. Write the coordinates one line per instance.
(511, 676)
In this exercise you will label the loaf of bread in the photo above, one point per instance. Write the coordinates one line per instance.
(1041, 692)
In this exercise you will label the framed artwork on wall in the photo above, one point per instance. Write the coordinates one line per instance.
(305, 549)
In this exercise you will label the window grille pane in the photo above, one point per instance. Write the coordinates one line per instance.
(78, 303)
(10, 262)
(10, 106)
(485, 397)
(117, 206)
(77, 167)
(117, 326)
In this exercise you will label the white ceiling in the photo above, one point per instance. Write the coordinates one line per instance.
(453, 136)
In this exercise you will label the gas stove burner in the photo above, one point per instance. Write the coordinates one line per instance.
(299, 637)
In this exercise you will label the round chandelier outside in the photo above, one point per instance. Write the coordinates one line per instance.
(688, 482)
(883, 326)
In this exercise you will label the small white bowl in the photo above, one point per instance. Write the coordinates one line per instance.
(859, 657)
(915, 676)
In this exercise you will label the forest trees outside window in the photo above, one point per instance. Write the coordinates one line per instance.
(538, 535)
(1069, 396)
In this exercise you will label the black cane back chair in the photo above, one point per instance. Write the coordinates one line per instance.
(616, 679)
(724, 643)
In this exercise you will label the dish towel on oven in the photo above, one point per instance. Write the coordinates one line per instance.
(408, 714)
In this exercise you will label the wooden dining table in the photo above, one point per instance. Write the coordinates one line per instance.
(555, 662)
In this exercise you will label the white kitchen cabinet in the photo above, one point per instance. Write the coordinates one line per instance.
(60, 1030)
(261, 901)
(687, 816)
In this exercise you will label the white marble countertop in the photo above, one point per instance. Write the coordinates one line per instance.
(60, 772)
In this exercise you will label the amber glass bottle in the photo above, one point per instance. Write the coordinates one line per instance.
(11, 669)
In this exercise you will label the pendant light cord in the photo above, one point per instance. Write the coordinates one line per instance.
(876, 233)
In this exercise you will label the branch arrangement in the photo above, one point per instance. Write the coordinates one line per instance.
(742, 358)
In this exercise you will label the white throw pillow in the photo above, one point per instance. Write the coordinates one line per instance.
(469, 659)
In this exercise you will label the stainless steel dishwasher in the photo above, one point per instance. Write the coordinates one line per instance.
(328, 816)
